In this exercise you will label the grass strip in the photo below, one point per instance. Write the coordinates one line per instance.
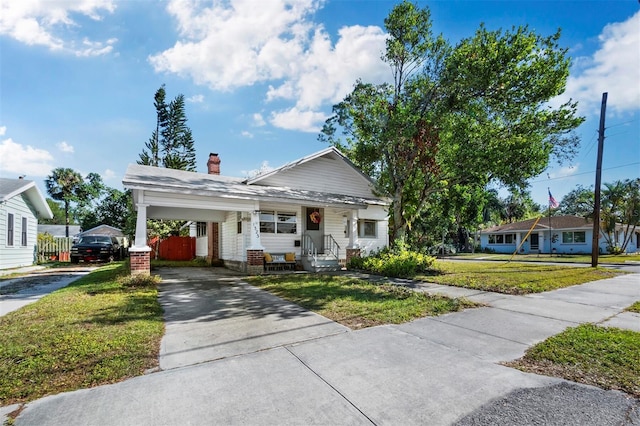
(634, 308)
(101, 329)
(512, 278)
(357, 303)
(599, 356)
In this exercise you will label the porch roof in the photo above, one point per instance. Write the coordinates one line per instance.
(182, 182)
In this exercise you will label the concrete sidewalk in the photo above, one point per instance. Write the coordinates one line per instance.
(278, 364)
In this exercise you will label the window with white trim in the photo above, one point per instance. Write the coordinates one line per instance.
(23, 232)
(10, 229)
(574, 237)
(201, 229)
(272, 222)
(367, 228)
(502, 238)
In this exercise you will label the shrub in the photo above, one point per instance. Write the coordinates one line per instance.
(615, 250)
(400, 263)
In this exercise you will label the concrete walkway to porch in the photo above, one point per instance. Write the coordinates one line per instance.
(234, 354)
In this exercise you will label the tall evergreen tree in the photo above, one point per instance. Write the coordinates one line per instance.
(171, 144)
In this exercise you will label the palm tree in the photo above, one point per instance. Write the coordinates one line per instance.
(63, 185)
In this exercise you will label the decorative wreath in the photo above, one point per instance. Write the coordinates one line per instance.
(315, 217)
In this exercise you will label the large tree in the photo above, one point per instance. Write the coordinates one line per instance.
(58, 213)
(466, 115)
(69, 186)
(171, 144)
(113, 209)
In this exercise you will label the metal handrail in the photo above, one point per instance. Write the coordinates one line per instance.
(331, 245)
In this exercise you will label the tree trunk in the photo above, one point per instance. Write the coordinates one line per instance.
(399, 223)
(66, 218)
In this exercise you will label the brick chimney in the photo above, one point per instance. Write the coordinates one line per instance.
(213, 165)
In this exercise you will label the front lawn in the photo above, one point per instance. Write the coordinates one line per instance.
(101, 329)
(512, 278)
(357, 303)
(599, 356)
(556, 258)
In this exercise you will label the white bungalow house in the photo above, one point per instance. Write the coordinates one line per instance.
(557, 234)
(320, 208)
(21, 204)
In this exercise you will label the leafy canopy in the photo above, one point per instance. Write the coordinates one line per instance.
(465, 115)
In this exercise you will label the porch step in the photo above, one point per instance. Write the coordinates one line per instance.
(322, 263)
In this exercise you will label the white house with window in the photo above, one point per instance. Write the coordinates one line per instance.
(21, 204)
(320, 209)
(557, 234)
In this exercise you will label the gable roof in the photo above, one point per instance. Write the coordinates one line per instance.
(104, 230)
(58, 230)
(170, 180)
(10, 188)
(545, 223)
(331, 151)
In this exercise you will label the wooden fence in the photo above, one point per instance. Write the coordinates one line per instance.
(57, 248)
(174, 248)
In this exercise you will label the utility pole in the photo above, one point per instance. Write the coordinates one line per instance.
(596, 204)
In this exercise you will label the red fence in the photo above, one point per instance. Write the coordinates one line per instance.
(175, 248)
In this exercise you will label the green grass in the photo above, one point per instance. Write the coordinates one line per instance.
(101, 329)
(599, 356)
(198, 262)
(559, 258)
(357, 303)
(512, 278)
(634, 308)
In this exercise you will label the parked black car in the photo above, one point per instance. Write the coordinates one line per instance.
(96, 248)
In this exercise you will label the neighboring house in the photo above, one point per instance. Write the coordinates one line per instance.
(59, 231)
(557, 234)
(109, 230)
(321, 207)
(21, 205)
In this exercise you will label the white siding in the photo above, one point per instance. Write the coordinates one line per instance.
(282, 243)
(202, 246)
(322, 174)
(232, 242)
(17, 255)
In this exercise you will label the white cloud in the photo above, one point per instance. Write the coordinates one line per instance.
(564, 172)
(108, 174)
(65, 147)
(196, 99)
(258, 120)
(3, 130)
(613, 68)
(264, 168)
(19, 159)
(242, 43)
(247, 134)
(48, 23)
(295, 119)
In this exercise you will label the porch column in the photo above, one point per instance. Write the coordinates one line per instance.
(518, 240)
(255, 243)
(353, 249)
(353, 230)
(541, 242)
(140, 253)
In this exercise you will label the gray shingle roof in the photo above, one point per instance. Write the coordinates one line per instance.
(169, 180)
(556, 222)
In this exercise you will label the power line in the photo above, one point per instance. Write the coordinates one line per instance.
(622, 124)
(585, 173)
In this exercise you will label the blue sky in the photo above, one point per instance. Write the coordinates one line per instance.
(77, 77)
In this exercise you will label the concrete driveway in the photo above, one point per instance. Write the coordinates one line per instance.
(234, 354)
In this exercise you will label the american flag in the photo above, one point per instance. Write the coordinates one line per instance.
(552, 201)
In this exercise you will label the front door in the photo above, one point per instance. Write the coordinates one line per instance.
(314, 226)
(535, 242)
